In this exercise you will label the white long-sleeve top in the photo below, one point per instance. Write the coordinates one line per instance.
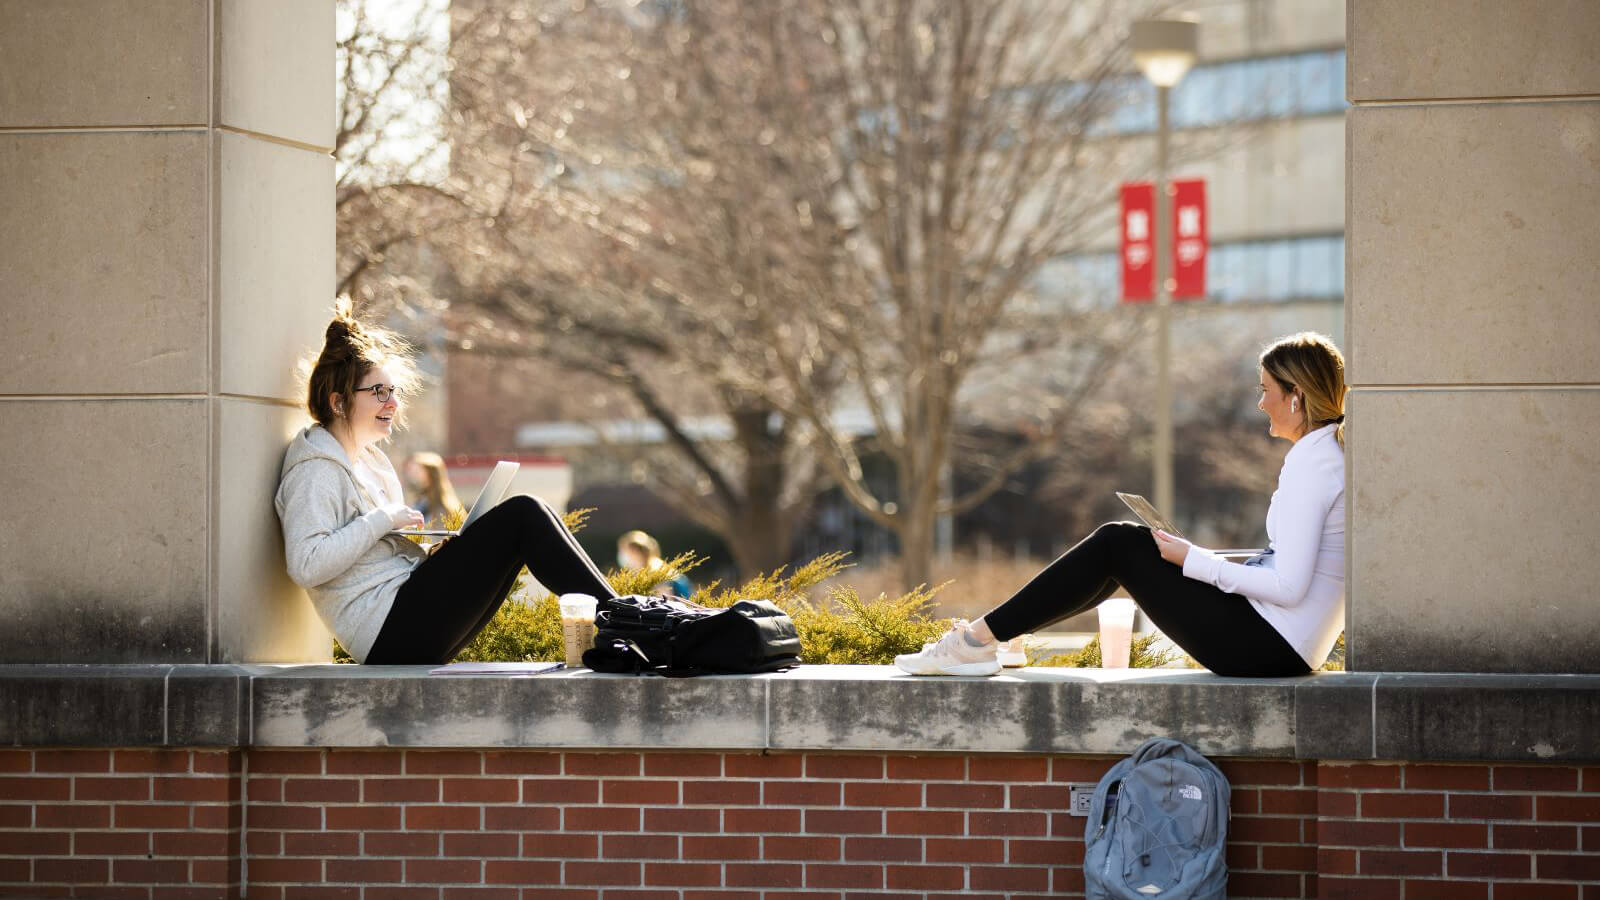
(1299, 587)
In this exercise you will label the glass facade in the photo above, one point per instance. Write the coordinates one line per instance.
(1246, 90)
(1300, 268)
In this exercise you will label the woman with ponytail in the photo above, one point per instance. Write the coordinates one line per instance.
(1277, 614)
(386, 598)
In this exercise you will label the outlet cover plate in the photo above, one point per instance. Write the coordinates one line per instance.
(1082, 795)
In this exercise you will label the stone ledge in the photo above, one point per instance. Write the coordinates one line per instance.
(1357, 716)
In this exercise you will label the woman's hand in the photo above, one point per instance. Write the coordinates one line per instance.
(1173, 549)
(402, 516)
(434, 547)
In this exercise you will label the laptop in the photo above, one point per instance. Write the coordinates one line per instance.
(1148, 514)
(494, 490)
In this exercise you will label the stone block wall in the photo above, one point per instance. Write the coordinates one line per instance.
(149, 823)
(1472, 174)
(167, 239)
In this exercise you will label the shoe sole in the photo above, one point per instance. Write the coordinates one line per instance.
(977, 668)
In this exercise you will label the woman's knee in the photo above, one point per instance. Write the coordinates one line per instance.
(1121, 533)
(516, 515)
(526, 507)
(1124, 543)
(538, 517)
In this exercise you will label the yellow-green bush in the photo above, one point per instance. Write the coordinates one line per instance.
(1145, 652)
(521, 631)
(1335, 661)
(840, 628)
(847, 629)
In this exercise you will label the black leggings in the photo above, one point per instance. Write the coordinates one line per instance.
(1222, 631)
(456, 591)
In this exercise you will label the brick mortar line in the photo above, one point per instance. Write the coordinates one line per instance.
(1467, 792)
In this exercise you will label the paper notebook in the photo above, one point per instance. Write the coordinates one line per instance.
(497, 668)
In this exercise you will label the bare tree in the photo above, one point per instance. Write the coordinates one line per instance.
(966, 163)
(391, 148)
(878, 183)
(824, 221)
(610, 256)
(538, 275)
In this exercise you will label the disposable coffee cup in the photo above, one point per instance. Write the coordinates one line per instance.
(577, 626)
(1116, 632)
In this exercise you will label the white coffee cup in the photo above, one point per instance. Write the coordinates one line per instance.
(1116, 632)
(577, 626)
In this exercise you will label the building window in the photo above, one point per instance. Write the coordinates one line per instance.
(1245, 90)
(1274, 271)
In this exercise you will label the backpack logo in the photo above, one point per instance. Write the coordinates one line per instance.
(1150, 889)
(1190, 792)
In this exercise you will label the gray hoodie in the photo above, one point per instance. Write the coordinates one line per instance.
(336, 538)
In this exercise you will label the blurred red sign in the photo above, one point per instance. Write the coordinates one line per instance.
(1138, 242)
(1189, 241)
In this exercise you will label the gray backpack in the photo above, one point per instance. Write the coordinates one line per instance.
(1158, 827)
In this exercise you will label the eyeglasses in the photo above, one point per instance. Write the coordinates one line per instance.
(381, 392)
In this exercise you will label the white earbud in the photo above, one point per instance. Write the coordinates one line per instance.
(1294, 405)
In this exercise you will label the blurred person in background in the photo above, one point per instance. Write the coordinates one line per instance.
(638, 551)
(430, 482)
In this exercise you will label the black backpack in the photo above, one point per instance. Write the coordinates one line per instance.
(666, 636)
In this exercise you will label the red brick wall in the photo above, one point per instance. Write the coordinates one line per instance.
(631, 826)
(119, 823)
(1423, 832)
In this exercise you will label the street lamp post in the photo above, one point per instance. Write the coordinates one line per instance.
(1164, 49)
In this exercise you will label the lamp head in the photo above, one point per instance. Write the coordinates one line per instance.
(1164, 49)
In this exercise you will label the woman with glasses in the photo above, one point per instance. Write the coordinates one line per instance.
(386, 598)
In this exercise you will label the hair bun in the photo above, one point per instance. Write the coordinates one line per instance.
(349, 350)
(344, 338)
(342, 328)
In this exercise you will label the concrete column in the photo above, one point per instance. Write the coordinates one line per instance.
(166, 255)
(1474, 335)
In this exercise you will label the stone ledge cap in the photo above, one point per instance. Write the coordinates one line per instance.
(1360, 715)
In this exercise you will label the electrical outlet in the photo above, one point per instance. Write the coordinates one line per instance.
(1082, 797)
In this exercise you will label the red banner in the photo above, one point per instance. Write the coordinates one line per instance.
(1189, 241)
(1138, 242)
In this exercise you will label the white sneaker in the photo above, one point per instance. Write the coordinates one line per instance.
(950, 655)
(1011, 654)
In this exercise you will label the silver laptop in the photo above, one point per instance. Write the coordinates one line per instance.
(1148, 514)
(494, 490)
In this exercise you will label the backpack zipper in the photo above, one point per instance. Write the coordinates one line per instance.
(1105, 817)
